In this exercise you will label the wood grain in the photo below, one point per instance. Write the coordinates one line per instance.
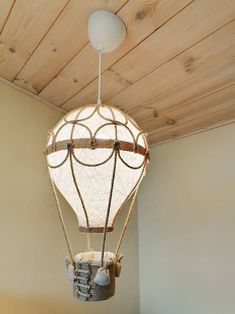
(200, 86)
(5, 8)
(188, 27)
(197, 59)
(141, 19)
(28, 22)
(64, 40)
(211, 111)
(174, 73)
(191, 73)
(203, 105)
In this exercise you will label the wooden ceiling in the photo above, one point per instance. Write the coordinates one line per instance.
(174, 73)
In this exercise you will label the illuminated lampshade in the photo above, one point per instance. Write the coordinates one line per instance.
(97, 157)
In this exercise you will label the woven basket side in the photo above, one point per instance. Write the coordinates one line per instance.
(84, 287)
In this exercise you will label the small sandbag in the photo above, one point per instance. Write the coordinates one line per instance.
(118, 265)
(69, 269)
(118, 268)
(102, 277)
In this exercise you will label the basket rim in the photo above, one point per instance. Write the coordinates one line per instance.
(94, 258)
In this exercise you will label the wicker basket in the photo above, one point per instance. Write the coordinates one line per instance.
(87, 264)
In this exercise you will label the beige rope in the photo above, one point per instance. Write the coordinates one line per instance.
(93, 165)
(59, 211)
(130, 166)
(131, 207)
(109, 206)
(126, 222)
(60, 164)
(70, 148)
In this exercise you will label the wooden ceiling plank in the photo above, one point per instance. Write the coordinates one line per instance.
(64, 40)
(190, 26)
(206, 82)
(141, 19)
(197, 59)
(5, 9)
(26, 25)
(202, 123)
(224, 97)
(204, 56)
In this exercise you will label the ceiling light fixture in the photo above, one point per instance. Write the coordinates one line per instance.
(96, 157)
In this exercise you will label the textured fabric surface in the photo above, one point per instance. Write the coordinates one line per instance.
(94, 182)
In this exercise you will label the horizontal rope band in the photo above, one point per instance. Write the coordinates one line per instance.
(95, 229)
(96, 143)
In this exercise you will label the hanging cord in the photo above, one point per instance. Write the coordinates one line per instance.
(108, 209)
(126, 222)
(70, 149)
(99, 78)
(59, 211)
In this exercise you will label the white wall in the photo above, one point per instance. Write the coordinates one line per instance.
(187, 226)
(32, 247)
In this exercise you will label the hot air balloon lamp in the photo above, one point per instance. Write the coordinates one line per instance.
(96, 157)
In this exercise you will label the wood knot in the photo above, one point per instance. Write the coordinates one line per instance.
(120, 79)
(170, 121)
(140, 15)
(54, 49)
(146, 10)
(155, 112)
(12, 50)
(188, 64)
(75, 80)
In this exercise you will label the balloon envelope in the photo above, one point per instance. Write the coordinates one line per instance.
(84, 173)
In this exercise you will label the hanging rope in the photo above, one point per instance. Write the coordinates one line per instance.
(70, 148)
(99, 78)
(115, 152)
(59, 211)
(109, 207)
(126, 222)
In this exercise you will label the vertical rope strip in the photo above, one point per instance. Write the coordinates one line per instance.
(99, 78)
(109, 207)
(70, 148)
(126, 222)
(59, 211)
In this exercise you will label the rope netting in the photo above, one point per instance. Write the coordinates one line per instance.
(96, 157)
